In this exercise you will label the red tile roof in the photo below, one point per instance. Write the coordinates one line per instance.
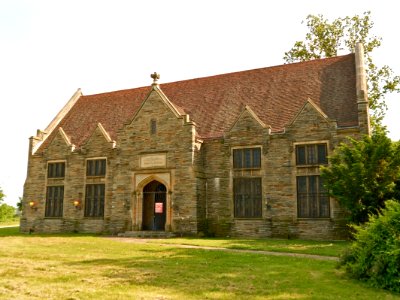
(214, 103)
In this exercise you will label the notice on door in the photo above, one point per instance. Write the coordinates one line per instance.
(159, 207)
(153, 161)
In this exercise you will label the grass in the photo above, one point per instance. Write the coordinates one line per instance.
(91, 267)
(324, 248)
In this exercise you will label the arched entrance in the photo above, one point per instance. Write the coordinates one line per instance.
(154, 206)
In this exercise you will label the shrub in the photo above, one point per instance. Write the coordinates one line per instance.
(362, 174)
(374, 256)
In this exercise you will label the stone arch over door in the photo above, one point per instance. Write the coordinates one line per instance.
(141, 181)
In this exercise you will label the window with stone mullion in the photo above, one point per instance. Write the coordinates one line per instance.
(311, 154)
(247, 158)
(94, 200)
(96, 167)
(247, 197)
(54, 201)
(56, 170)
(312, 198)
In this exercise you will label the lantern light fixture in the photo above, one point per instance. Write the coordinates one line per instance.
(33, 205)
(77, 203)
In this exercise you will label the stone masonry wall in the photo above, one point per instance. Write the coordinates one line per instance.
(74, 188)
(198, 176)
(174, 138)
(278, 172)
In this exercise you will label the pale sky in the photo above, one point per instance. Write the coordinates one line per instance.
(49, 49)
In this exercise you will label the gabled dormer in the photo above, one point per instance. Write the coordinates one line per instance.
(60, 145)
(310, 117)
(248, 121)
(99, 141)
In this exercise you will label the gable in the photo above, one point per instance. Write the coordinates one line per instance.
(310, 117)
(156, 104)
(100, 139)
(247, 120)
(60, 144)
(158, 124)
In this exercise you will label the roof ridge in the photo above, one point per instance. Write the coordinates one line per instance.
(313, 61)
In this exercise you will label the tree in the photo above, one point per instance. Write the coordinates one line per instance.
(326, 39)
(1, 195)
(363, 174)
(7, 212)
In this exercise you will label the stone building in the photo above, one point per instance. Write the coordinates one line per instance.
(228, 155)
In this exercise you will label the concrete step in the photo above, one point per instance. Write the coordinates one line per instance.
(147, 234)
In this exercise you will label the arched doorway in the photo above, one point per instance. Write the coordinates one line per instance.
(154, 206)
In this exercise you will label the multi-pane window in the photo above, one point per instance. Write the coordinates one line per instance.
(311, 154)
(94, 200)
(247, 187)
(96, 167)
(312, 198)
(95, 191)
(247, 158)
(54, 201)
(55, 194)
(56, 170)
(247, 197)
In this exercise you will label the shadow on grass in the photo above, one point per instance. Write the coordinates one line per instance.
(268, 244)
(325, 248)
(190, 271)
(14, 231)
(210, 274)
(10, 231)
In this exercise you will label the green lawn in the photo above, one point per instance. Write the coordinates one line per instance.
(92, 267)
(324, 248)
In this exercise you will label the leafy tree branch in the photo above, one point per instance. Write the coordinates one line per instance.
(327, 39)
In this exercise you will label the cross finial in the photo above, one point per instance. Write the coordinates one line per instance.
(155, 77)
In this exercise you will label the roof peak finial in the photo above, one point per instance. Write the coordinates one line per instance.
(155, 77)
